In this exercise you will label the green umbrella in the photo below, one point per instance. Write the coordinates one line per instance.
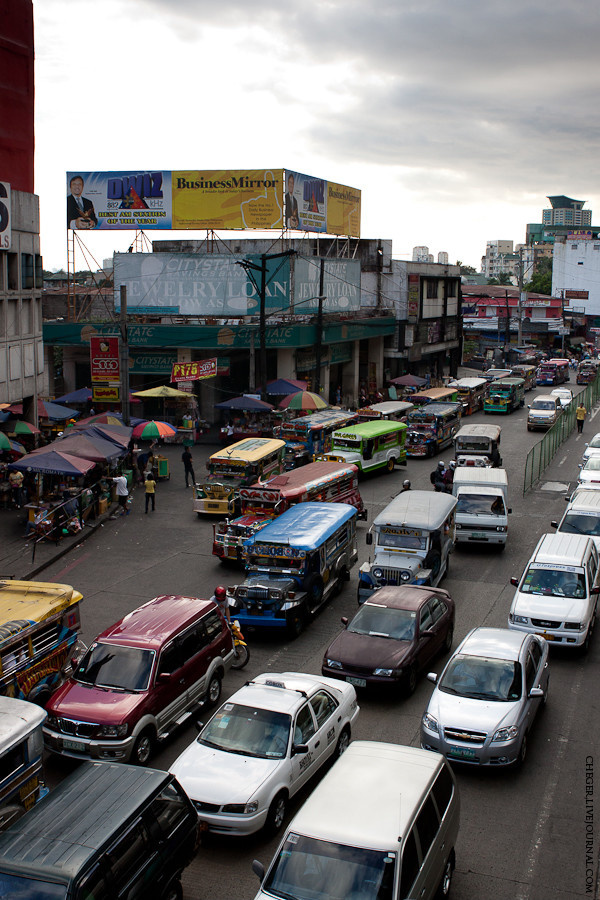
(4, 442)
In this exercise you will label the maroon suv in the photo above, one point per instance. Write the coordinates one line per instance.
(139, 680)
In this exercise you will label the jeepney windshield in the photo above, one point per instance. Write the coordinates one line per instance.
(473, 445)
(291, 433)
(224, 469)
(276, 562)
(402, 539)
(347, 443)
(422, 427)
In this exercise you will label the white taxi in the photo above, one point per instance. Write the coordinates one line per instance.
(262, 746)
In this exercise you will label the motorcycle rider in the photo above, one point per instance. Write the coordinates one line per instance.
(220, 598)
(437, 476)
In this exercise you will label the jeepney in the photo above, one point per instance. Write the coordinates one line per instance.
(505, 395)
(478, 445)
(39, 629)
(435, 395)
(308, 436)
(527, 373)
(294, 565)
(471, 393)
(234, 467)
(370, 445)
(413, 538)
(390, 410)
(328, 482)
(586, 372)
(431, 428)
(21, 748)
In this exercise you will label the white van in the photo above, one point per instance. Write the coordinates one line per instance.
(558, 591)
(544, 412)
(582, 516)
(482, 510)
(381, 825)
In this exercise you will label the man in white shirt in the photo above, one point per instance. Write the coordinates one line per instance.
(122, 493)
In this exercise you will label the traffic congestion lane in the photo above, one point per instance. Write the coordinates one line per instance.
(171, 553)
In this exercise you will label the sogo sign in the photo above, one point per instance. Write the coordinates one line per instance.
(104, 358)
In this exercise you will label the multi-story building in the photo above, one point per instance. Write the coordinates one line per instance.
(576, 272)
(566, 211)
(21, 347)
(499, 259)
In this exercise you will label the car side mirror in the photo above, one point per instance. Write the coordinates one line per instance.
(369, 538)
(428, 633)
(535, 693)
(553, 524)
(509, 510)
(595, 590)
(199, 725)
(528, 407)
(431, 676)
(344, 621)
(297, 749)
(258, 869)
(514, 581)
(163, 677)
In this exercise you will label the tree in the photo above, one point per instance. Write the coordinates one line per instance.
(503, 278)
(465, 270)
(541, 280)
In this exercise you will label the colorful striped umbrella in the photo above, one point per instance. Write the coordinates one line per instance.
(147, 431)
(303, 400)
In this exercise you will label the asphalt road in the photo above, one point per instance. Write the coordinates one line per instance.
(522, 834)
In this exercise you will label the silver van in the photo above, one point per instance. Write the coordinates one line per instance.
(381, 825)
(544, 412)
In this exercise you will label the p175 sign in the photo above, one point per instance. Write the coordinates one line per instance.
(104, 358)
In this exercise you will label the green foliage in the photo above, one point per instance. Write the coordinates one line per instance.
(541, 283)
(503, 278)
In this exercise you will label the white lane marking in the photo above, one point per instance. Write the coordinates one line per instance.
(562, 460)
(594, 412)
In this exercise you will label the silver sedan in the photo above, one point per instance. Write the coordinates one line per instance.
(486, 698)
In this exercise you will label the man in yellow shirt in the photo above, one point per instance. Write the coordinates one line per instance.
(580, 414)
(150, 488)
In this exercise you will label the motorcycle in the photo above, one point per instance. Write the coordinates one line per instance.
(240, 647)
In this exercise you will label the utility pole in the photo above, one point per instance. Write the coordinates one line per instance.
(521, 298)
(319, 341)
(124, 356)
(507, 330)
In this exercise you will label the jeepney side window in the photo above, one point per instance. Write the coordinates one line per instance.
(11, 762)
(45, 639)
(15, 657)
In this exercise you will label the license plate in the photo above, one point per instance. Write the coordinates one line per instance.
(357, 682)
(479, 534)
(548, 637)
(77, 746)
(254, 612)
(213, 505)
(461, 753)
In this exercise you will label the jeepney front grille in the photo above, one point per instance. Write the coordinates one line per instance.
(390, 576)
(77, 729)
(258, 593)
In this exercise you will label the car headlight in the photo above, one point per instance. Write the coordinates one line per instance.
(52, 722)
(519, 620)
(506, 734)
(405, 576)
(377, 572)
(500, 527)
(333, 664)
(113, 731)
(430, 723)
(458, 526)
(575, 626)
(242, 592)
(385, 672)
(241, 809)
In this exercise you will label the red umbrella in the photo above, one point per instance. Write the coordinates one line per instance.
(303, 400)
(22, 427)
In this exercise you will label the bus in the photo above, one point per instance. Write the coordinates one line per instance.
(506, 394)
(390, 410)
(234, 467)
(471, 393)
(370, 445)
(435, 395)
(319, 481)
(308, 436)
(431, 428)
(39, 629)
(294, 565)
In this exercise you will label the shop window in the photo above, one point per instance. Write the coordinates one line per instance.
(26, 316)
(13, 272)
(39, 271)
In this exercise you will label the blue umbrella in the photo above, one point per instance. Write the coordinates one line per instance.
(250, 404)
(80, 396)
(285, 386)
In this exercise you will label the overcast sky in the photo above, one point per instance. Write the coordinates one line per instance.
(454, 119)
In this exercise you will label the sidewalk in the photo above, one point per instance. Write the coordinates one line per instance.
(26, 559)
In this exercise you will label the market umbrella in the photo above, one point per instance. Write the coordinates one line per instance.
(303, 400)
(285, 386)
(53, 462)
(4, 441)
(18, 448)
(249, 404)
(21, 427)
(162, 391)
(47, 410)
(117, 434)
(409, 380)
(147, 431)
(89, 446)
(80, 396)
(4, 405)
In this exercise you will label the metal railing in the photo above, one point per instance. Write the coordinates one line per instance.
(541, 455)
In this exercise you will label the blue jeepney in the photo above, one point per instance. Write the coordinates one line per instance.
(294, 565)
(308, 436)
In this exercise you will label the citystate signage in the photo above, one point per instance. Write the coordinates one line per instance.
(5, 225)
(229, 199)
(104, 358)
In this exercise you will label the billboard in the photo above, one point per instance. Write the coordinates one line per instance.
(191, 284)
(104, 359)
(5, 226)
(194, 371)
(229, 199)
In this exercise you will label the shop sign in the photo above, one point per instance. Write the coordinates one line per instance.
(155, 363)
(104, 358)
(105, 394)
(194, 371)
